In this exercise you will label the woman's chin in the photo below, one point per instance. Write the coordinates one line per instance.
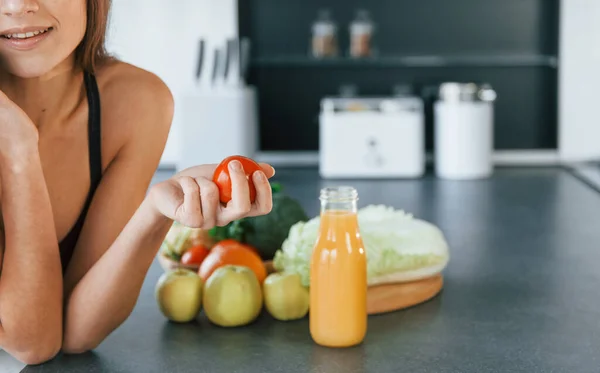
(30, 69)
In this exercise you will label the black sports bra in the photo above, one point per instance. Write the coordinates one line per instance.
(67, 245)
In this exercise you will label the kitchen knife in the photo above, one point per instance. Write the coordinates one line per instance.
(234, 67)
(200, 61)
(244, 59)
(226, 60)
(216, 63)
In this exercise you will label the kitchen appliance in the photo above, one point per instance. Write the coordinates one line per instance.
(379, 137)
(464, 131)
(220, 115)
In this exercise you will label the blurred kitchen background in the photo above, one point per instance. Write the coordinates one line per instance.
(297, 72)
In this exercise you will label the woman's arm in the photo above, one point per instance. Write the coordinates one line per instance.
(31, 278)
(114, 249)
(107, 293)
(105, 296)
(124, 227)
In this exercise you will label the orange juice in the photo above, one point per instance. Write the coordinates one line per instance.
(338, 273)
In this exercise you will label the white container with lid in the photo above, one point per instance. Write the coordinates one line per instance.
(464, 131)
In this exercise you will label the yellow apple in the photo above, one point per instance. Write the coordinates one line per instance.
(179, 295)
(232, 296)
(285, 297)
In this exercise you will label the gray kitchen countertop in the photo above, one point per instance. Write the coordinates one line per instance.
(521, 292)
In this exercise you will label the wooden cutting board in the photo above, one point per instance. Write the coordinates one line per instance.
(393, 297)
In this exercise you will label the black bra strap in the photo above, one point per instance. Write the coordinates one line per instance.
(94, 133)
(67, 245)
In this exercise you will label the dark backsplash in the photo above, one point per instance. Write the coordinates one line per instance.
(511, 44)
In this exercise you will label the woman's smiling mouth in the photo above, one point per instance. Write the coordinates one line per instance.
(25, 39)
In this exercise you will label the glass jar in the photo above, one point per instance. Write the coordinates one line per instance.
(361, 35)
(324, 36)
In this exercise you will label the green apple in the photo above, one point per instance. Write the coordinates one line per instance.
(232, 296)
(179, 295)
(285, 297)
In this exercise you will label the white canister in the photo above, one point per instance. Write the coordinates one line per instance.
(464, 131)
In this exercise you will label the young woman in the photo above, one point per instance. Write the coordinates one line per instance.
(81, 136)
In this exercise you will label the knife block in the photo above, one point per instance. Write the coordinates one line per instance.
(217, 123)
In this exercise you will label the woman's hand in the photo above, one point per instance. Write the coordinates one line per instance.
(192, 199)
(18, 135)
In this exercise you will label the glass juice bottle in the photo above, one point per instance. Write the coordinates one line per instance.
(338, 273)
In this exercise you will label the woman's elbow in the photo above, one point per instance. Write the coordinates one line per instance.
(75, 346)
(38, 355)
(33, 348)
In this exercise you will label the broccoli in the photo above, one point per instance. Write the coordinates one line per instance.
(266, 233)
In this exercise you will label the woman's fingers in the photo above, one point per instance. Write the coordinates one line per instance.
(264, 198)
(240, 204)
(209, 201)
(207, 170)
(201, 207)
(267, 169)
(189, 212)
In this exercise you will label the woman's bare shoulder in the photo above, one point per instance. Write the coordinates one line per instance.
(135, 103)
(124, 86)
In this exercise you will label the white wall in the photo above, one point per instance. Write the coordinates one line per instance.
(162, 37)
(579, 80)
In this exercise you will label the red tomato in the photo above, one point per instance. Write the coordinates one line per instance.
(223, 180)
(194, 255)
